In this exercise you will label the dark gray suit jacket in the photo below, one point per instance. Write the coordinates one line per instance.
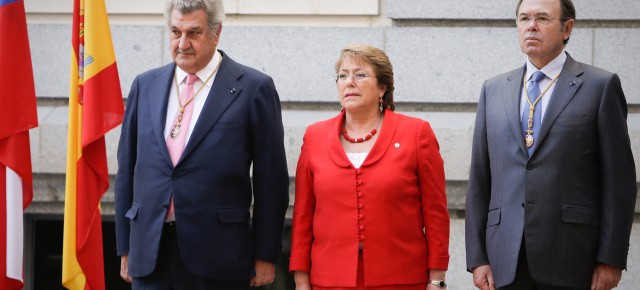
(572, 200)
(239, 130)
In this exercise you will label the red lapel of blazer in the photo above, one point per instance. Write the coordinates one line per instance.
(333, 140)
(387, 132)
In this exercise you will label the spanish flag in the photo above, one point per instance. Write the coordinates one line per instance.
(18, 114)
(95, 107)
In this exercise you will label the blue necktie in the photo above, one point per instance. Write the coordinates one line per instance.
(533, 91)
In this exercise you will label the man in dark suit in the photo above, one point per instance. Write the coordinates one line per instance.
(552, 186)
(192, 132)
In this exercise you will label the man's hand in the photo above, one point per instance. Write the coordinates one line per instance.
(124, 268)
(483, 278)
(605, 277)
(265, 273)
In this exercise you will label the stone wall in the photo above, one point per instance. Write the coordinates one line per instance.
(442, 51)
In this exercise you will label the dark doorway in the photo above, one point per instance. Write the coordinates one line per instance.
(47, 256)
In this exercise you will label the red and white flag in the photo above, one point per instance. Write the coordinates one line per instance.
(18, 114)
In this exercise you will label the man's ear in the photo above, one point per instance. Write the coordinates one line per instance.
(568, 27)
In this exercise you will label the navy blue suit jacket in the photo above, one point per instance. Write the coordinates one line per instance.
(239, 129)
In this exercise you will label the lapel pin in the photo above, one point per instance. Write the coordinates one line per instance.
(571, 83)
(397, 145)
(232, 90)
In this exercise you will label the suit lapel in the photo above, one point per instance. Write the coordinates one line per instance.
(511, 100)
(158, 101)
(566, 87)
(224, 91)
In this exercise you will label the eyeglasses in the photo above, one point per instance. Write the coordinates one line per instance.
(345, 78)
(542, 20)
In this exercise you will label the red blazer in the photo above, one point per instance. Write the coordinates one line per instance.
(395, 205)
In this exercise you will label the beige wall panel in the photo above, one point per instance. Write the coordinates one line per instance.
(276, 7)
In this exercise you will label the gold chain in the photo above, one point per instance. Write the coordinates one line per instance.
(528, 139)
(175, 129)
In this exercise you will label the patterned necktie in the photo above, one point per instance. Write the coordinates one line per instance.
(176, 146)
(533, 91)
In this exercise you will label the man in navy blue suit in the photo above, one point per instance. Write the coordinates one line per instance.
(202, 140)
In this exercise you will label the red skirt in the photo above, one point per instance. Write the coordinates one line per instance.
(360, 282)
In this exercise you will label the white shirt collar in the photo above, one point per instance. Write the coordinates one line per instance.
(204, 73)
(551, 70)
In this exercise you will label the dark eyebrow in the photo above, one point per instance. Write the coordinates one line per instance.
(537, 14)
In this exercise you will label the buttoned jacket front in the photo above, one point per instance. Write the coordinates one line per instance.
(394, 205)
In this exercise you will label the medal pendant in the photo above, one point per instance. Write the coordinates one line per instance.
(175, 131)
(528, 140)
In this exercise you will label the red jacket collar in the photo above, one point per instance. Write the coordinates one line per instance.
(339, 157)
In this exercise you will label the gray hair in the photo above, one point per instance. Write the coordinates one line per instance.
(213, 8)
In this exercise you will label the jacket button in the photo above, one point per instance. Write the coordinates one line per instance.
(360, 205)
(173, 177)
(358, 171)
(360, 216)
(359, 193)
(529, 167)
(361, 228)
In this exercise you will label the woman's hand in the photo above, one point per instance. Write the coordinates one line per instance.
(438, 275)
(302, 280)
(305, 287)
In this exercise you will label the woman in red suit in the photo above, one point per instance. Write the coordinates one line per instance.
(370, 209)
